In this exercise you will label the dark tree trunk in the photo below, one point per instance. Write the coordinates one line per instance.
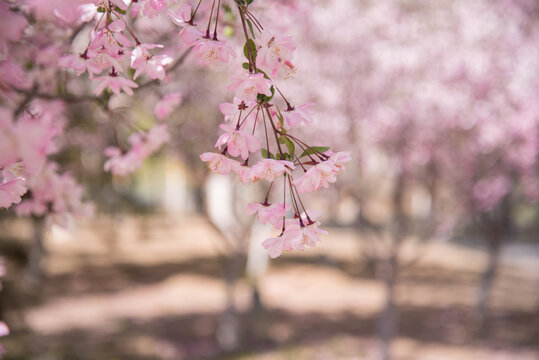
(33, 274)
(487, 279)
(388, 321)
(229, 326)
(496, 226)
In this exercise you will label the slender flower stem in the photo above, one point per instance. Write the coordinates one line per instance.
(190, 22)
(300, 163)
(289, 107)
(249, 113)
(320, 155)
(252, 65)
(302, 148)
(284, 202)
(274, 130)
(254, 20)
(216, 21)
(294, 201)
(265, 203)
(303, 206)
(207, 36)
(267, 140)
(239, 118)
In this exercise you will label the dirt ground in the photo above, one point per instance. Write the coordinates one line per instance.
(146, 288)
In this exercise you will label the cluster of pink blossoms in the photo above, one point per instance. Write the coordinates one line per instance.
(142, 146)
(254, 123)
(24, 147)
(113, 49)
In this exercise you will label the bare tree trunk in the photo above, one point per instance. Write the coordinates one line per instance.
(389, 317)
(496, 226)
(229, 327)
(487, 279)
(33, 274)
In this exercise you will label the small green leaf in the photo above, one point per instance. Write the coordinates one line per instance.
(101, 9)
(264, 153)
(250, 27)
(289, 144)
(117, 9)
(264, 98)
(249, 44)
(314, 149)
(245, 66)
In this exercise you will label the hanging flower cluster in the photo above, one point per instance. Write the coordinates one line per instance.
(256, 143)
(255, 124)
(113, 49)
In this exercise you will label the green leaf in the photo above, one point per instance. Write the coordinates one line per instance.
(264, 98)
(117, 9)
(245, 65)
(252, 46)
(314, 149)
(289, 144)
(264, 153)
(101, 9)
(251, 27)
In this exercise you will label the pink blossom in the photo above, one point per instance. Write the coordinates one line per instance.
(154, 66)
(270, 169)
(142, 146)
(182, 17)
(338, 160)
(189, 33)
(489, 191)
(12, 75)
(35, 138)
(269, 213)
(298, 116)
(115, 84)
(320, 175)
(236, 107)
(56, 194)
(151, 7)
(11, 26)
(109, 4)
(247, 86)
(150, 142)
(209, 51)
(244, 173)
(275, 54)
(122, 164)
(8, 139)
(238, 142)
(4, 330)
(276, 246)
(75, 62)
(298, 236)
(219, 163)
(164, 107)
(110, 40)
(11, 192)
